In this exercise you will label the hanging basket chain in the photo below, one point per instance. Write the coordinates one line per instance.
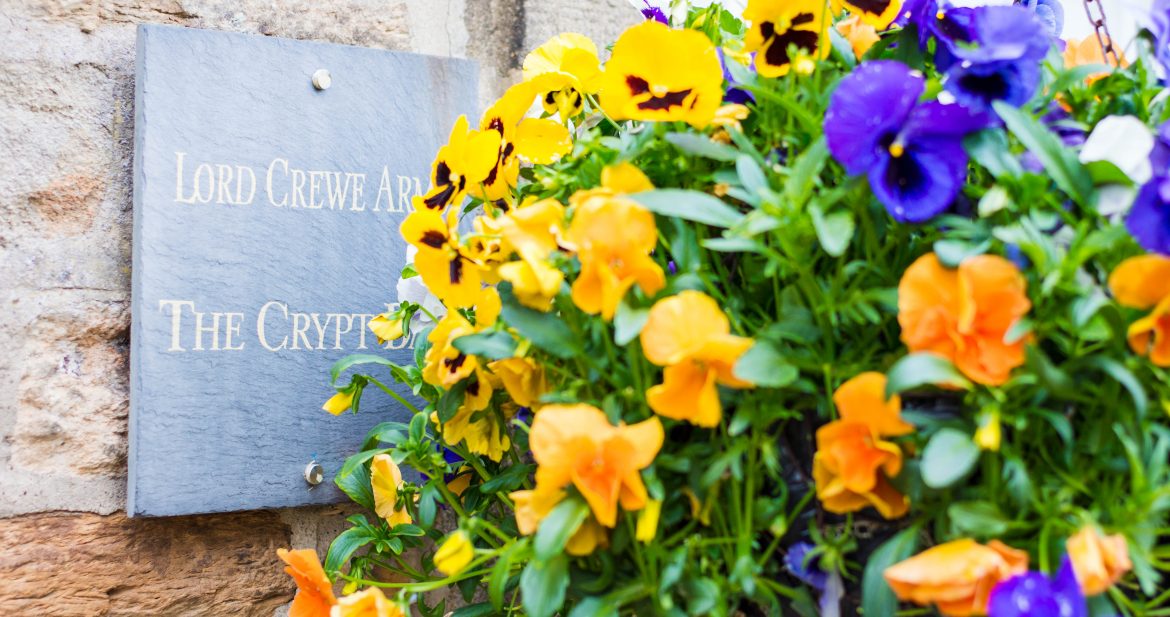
(1101, 27)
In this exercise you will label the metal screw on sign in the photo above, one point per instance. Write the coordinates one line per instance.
(1101, 27)
(314, 473)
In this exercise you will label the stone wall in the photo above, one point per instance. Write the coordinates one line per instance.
(66, 132)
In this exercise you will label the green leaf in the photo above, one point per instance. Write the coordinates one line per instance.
(352, 463)
(733, 244)
(1106, 172)
(354, 360)
(690, 206)
(344, 545)
(803, 177)
(628, 323)
(834, 231)
(990, 149)
(1060, 162)
(700, 145)
(545, 330)
(921, 369)
(406, 529)
(449, 403)
(543, 585)
(978, 518)
(948, 457)
(491, 345)
(357, 486)
(702, 595)
(1126, 378)
(502, 573)
(556, 528)
(752, 178)
(481, 609)
(763, 365)
(876, 596)
(595, 606)
(952, 252)
(994, 200)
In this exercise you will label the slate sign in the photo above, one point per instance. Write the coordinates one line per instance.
(266, 214)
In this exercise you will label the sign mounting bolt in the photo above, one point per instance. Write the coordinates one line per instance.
(321, 79)
(314, 473)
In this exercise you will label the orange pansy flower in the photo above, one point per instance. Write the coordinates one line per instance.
(1098, 560)
(1144, 283)
(853, 463)
(314, 591)
(957, 577)
(1088, 51)
(576, 444)
(613, 237)
(861, 35)
(964, 314)
(691, 337)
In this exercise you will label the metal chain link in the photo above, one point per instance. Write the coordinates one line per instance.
(1101, 27)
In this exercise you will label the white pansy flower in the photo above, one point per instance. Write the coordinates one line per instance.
(413, 290)
(1126, 142)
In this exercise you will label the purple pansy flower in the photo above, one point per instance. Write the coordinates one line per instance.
(1004, 62)
(653, 12)
(1149, 217)
(1050, 12)
(1159, 26)
(1034, 594)
(911, 151)
(733, 94)
(803, 568)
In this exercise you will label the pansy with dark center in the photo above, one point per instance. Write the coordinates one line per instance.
(464, 162)
(911, 151)
(1034, 594)
(877, 13)
(1149, 217)
(638, 85)
(1003, 63)
(776, 26)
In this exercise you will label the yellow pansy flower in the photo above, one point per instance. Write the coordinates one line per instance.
(564, 69)
(444, 365)
(877, 14)
(386, 327)
(446, 268)
(587, 538)
(482, 433)
(989, 435)
(614, 237)
(659, 74)
(368, 603)
(454, 553)
(576, 444)
(462, 163)
(339, 402)
(386, 479)
(648, 521)
(776, 25)
(731, 115)
(532, 506)
(523, 378)
(691, 337)
(536, 140)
